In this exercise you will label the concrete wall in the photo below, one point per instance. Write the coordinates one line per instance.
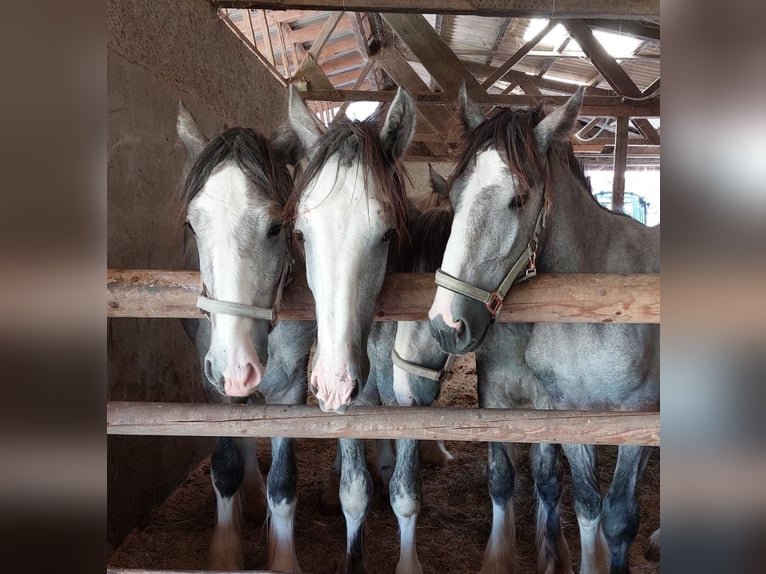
(157, 53)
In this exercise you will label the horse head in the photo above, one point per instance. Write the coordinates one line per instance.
(498, 188)
(234, 195)
(349, 211)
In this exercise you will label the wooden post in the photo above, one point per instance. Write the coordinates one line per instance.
(423, 423)
(620, 163)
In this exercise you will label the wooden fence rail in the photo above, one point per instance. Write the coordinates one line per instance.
(566, 298)
(457, 424)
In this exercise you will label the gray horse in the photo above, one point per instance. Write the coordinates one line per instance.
(504, 381)
(234, 193)
(523, 204)
(351, 215)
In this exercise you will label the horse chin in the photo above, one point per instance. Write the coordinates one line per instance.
(339, 410)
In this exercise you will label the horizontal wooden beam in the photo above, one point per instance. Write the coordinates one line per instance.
(423, 423)
(607, 9)
(566, 298)
(118, 570)
(611, 106)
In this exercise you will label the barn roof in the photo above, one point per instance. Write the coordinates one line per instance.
(508, 57)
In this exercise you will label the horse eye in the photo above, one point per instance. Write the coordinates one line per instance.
(298, 235)
(387, 236)
(274, 230)
(518, 201)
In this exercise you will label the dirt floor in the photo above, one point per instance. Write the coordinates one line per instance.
(453, 526)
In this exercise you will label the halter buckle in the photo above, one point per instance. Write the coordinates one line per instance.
(531, 271)
(494, 304)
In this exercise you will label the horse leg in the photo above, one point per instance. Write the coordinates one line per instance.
(621, 509)
(405, 496)
(434, 452)
(355, 496)
(226, 471)
(384, 462)
(500, 554)
(583, 463)
(253, 488)
(283, 498)
(329, 502)
(547, 472)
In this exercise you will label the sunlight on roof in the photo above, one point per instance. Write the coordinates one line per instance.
(617, 45)
(361, 110)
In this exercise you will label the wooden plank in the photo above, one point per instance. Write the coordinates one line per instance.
(620, 163)
(520, 53)
(423, 423)
(266, 33)
(324, 34)
(593, 105)
(568, 298)
(435, 55)
(357, 84)
(283, 47)
(608, 9)
(248, 18)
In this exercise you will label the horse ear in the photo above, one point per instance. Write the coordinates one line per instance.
(470, 114)
(301, 120)
(286, 145)
(189, 132)
(558, 125)
(438, 183)
(399, 127)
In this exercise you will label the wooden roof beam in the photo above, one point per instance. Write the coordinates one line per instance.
(603, 9)
(435, 55)
(520, 53)
(592, 106)
(611, 70)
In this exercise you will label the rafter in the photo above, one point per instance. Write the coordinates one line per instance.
(610, 69)
(626, 28)
(504, 25)
(520, 53)
(517, 8)
(309, 69)
(435, 55)
(592, 106)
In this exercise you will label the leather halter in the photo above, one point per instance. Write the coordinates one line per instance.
(210, 305)
(439, 375)
(524, 268)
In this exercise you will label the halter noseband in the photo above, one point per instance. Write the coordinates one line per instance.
(526, 263)
(210, 305)
(439, 376)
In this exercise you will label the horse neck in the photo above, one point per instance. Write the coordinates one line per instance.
(575, 224)
(581, 236)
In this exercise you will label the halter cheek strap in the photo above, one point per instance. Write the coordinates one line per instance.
(247, 311)
(439, 376)
(524, 268)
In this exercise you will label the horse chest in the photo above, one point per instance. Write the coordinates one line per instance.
(589, 366)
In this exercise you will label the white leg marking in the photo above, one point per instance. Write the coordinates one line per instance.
(407, 510)
(594, 549)
(500, 554)
(226, 551)
(282, 556)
